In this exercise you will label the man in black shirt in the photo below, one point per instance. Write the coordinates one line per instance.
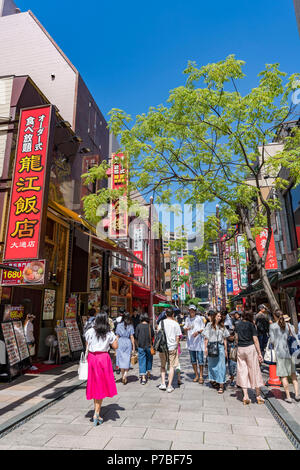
(135, 319)
(262, 322)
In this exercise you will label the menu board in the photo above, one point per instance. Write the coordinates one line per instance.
(74, 335)
(10, 343)
(96, 269)
(71, 307)
(49, 304)
(94, 300)
(13, 312)
(63, 342)
(21, 340)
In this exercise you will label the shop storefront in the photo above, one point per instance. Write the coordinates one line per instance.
(120, 293)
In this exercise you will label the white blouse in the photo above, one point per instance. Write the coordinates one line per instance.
(99, 344)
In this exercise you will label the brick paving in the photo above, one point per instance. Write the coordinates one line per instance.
(193, 417)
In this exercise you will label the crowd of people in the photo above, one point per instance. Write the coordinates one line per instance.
(233, 342)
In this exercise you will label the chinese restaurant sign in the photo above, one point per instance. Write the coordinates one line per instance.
(30, 273)
(118, 211)
(29, 184)
(261, 241)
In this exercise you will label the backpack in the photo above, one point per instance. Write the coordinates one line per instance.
(160, 341)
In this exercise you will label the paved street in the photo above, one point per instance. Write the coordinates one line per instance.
(142, 417)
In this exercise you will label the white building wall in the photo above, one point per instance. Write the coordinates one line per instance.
(6, 84)
(26, 49)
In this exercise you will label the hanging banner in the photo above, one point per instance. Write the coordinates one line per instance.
(138, 233)
(118, 226)
(27, 210)
(261, 241)
(242, 261)
(234, 272)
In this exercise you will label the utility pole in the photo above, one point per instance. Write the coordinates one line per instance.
(151, 264)
(221, 261)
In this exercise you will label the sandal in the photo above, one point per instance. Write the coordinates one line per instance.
(201, 381)
(196, 379)
(246, 401)
(221, 390)
(260, 401)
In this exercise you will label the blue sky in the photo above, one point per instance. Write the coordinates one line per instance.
(131, 54)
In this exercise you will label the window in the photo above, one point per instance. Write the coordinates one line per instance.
(291, 220)
(295, 201)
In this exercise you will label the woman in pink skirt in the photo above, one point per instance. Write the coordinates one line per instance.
(248, 358)
(101, 381)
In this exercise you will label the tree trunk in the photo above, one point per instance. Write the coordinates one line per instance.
(268, 289)
(258, 261)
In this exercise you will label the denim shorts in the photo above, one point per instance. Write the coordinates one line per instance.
(197, 356)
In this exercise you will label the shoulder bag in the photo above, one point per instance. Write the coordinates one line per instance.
(293, 342)
(83, 367)
(213, 348)
(152, 350)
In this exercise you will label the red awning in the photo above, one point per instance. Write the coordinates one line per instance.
(140, 292)
(159, 298)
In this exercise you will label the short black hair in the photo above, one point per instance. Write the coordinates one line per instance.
(169, 312)
(92, 312)
(144, 317)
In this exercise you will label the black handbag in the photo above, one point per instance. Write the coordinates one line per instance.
(213, 348)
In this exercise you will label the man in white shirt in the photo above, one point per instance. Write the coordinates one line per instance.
(194, 325)
(173, 333)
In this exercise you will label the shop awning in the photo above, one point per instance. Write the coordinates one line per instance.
(105, 244)
(159, 298)
(290, 275)
(256, 286)
(140, 291)
(71, 215)
(112, 246)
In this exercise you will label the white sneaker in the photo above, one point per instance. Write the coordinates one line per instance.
(170, 389)
(162, 387)
(33, 368)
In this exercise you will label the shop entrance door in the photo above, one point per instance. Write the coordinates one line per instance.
(31, 299)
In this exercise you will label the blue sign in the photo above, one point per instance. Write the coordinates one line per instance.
(229, 283)
(175, 297)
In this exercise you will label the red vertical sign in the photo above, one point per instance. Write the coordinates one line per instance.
(261, 241)
(138, 268)
(119, 180)
(29, 185)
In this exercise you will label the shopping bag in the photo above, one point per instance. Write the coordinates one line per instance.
(270, 356)
(134, 358)
(83, 367)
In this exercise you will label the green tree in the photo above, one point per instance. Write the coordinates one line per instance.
(208, 143)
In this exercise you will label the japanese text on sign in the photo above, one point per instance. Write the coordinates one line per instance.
(26, 207)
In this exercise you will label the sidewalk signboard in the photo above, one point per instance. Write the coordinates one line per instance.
(10, 343)
(21, 340)
(63, 342)
(73, 335)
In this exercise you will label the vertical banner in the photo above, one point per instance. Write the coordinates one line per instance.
(138, 249)
(26, 220)
(242, 261)
(181, 272)
(118, 227)
(261, 241)
(234, 272)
